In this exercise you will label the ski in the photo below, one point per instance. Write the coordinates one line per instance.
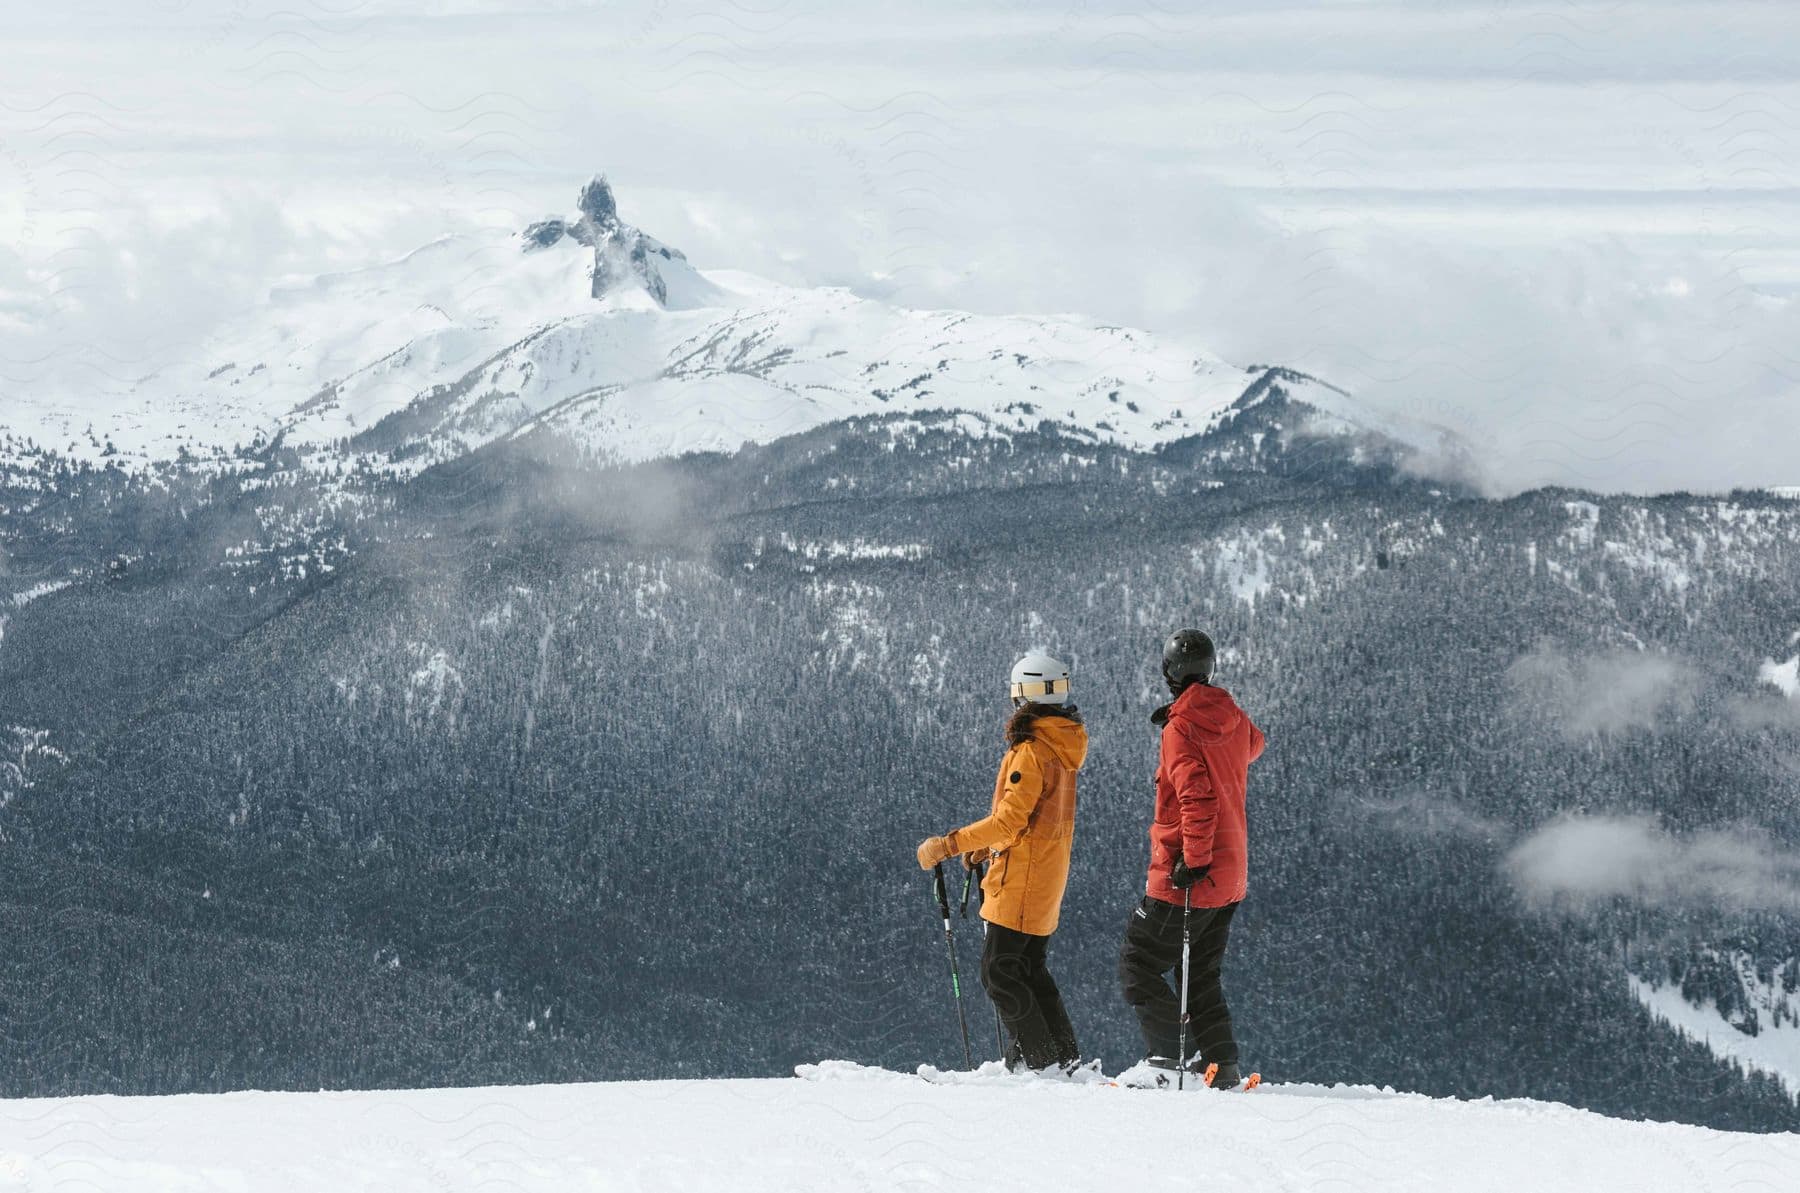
(991, 1072)
(1207, 1076)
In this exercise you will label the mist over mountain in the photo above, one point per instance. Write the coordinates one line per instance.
(535, 658)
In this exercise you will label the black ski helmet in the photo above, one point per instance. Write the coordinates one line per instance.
(1188, 657)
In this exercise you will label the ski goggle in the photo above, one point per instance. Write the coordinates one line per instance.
(1039, 687)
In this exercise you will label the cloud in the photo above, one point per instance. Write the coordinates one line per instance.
(1764, 712)
(1420, 813)
(1606, 693)
(1582, 860)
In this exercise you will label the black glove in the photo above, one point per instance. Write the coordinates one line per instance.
(1182, 876)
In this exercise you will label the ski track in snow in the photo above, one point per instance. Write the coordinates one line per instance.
(852, 1129)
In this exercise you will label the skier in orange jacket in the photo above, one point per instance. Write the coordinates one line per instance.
(1026, 839)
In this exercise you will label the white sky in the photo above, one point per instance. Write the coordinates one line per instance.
(1564, 230)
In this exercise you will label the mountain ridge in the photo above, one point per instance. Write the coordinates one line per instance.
(591, 327)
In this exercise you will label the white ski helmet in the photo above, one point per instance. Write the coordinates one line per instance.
(1039, 679)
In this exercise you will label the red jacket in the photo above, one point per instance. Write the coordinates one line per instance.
(1208, 744)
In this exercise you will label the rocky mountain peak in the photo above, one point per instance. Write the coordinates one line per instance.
(597, 203)
(623, 255)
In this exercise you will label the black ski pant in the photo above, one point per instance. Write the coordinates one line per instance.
(1014, 974)
(1152, 949)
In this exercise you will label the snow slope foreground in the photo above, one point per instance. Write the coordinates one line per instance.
(846, 1128)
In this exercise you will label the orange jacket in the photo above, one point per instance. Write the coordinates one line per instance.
(1028, 833)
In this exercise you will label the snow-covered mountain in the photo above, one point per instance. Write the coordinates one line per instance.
(849, 1128)
(588, 326)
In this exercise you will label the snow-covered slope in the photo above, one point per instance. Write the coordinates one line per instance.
(1762, 1031)
(863, 1130)
(590, 327)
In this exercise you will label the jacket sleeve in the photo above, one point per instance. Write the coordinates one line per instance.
(1257, 742)
(1195, 796)
(1022, 787)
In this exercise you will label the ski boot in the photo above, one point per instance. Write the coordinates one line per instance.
(1222, 1076)
(1153, 1072)
(1079, 1072)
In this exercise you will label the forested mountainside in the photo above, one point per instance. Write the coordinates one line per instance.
(534, 768)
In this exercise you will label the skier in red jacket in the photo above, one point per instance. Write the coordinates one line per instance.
(1198, 848)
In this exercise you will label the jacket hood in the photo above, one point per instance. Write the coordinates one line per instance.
(1208, 709)
(1058, 727)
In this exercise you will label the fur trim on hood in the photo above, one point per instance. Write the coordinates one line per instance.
(1020, 725)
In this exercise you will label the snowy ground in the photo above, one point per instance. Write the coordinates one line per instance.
(847, 1129)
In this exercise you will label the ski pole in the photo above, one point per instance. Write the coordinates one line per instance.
(1187, 906)
(962, 1020)
(978, 873)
